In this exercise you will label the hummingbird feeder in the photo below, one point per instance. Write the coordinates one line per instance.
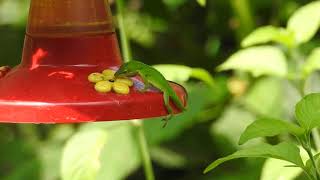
(65, 41)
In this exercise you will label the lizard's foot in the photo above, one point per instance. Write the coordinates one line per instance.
(166, 120)
(143, 90)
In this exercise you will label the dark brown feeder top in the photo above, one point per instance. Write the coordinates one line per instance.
(66, 40)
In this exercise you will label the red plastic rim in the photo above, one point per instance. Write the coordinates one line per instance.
(64, 95)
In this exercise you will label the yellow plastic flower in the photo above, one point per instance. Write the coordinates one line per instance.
(105, 82)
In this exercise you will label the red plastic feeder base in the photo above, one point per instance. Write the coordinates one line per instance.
(64, 95)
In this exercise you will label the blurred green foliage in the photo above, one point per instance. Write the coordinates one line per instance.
(183, 33)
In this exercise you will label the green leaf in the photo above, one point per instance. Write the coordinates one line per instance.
(268, 34)
(308, 111)
(264, 60)
(120, 156)
(80, 160)
(283, 151)
(269, 127)
(180, 73)
(227, 127)
(203, 75)
(168, 158)
(177, 73)
(278, 169)
(305, 22)
(202, 2)
(309, 165)
(312, 63)
(257, 101)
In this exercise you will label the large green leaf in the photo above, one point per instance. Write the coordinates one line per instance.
(81, 155)
(269, 127)
(260, 100)
(180, 73)
(308, 111)
(232, 123)
(312, 63)
(305, 22)
(283, 151)
(268, 34)
(120, 156)
(264, 60)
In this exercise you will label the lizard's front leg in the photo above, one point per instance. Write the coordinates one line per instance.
(166, 99)
(146, 84)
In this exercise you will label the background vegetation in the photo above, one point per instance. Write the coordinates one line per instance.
(165, 32)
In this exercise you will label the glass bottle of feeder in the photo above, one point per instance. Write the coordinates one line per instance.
(66, 40)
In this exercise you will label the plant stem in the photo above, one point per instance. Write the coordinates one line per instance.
(314, 164)
(143, 149)
(314, 132)
(300, 82)
(29, 133)
(126, 50)
(138, 131)
(241, 10)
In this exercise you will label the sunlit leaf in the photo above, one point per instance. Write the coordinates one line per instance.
(14, 12)
(276, 169)
(120, 156)
(202, 2)
(266, 127)
(180, 73)
(312, 63)
(283, 151)
(177, 73)
(168, 158)
(268, 34)
(264, 60)
(203, 75)
(309, 165)
(305, 22)
(308, 111)
(260, 101)
(232, 123)
(81, 155)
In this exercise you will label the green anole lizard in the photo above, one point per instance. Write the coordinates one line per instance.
(151, 77)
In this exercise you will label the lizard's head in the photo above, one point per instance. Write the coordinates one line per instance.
(127, 70)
